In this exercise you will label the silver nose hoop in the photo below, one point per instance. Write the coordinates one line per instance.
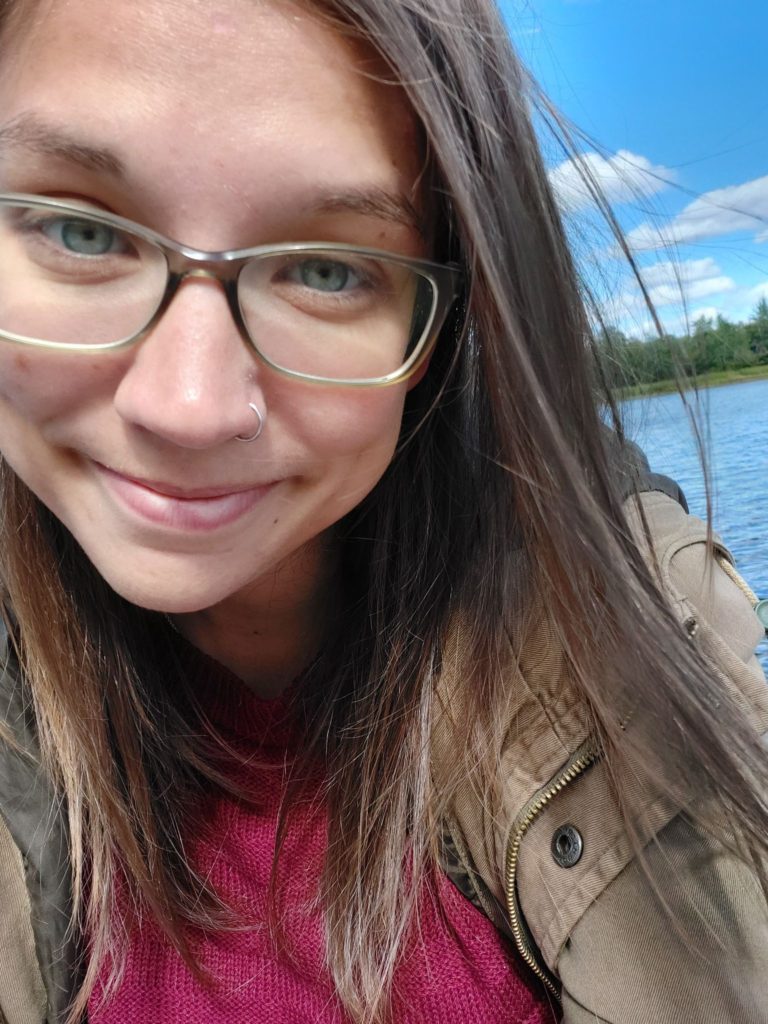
(259, 428)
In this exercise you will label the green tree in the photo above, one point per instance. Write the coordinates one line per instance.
(702, 348)
(757, 330)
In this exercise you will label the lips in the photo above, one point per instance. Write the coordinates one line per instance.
(179, 508)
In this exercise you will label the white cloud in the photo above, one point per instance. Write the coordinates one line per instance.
(760, 291)
(672, 322)
(735, 304)
(621, 177)
(678, 283)
(723, 211)
(738, 306)
(675, 271)
(708, 312)
(670, 294)
(635, 328)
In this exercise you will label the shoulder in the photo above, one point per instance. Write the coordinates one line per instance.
(575, 848)
(555, 854)
(714, 604)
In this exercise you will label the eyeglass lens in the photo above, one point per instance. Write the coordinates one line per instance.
(70, 279)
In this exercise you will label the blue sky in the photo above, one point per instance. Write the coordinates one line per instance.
(674, 91)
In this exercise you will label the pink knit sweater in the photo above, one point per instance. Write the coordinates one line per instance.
(468, 976)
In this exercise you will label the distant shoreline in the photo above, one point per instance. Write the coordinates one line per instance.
(707, 380)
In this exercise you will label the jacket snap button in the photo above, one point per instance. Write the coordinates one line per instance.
(567, 846)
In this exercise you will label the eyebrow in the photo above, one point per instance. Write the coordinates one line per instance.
(28, 131)
(373, 202)
(31, 132)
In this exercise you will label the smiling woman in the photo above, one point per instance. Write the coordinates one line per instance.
(321, 587)
(191, 390)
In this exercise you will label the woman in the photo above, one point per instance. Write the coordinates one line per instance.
(319, 576)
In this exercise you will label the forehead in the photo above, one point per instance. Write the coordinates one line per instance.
(202, 90)
(222, 43)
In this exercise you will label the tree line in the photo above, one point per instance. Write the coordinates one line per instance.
(713, 345)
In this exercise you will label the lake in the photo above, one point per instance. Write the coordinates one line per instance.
(734, 421)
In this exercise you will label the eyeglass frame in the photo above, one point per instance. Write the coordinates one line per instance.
(225, 266)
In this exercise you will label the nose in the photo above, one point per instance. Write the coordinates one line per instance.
(191, 380)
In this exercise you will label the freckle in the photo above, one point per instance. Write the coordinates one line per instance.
(276, 522)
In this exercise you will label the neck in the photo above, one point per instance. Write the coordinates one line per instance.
(270, 632)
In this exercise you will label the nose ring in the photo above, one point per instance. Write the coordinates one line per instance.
(260, 418)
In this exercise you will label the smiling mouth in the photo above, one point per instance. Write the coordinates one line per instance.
(181, 508)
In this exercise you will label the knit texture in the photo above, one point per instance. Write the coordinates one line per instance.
(466, 974)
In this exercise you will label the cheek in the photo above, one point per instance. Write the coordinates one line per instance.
(39, 386)
(347, 443)
(353, 425)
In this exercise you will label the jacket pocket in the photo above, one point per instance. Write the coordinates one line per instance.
(703, 958)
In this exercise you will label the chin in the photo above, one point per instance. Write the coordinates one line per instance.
(173, 593)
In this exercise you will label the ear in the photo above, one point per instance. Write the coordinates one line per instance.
(419, 375)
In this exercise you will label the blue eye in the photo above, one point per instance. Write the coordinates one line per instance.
(84, 237)
(325, 275)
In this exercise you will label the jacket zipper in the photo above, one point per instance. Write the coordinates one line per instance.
(581, 760)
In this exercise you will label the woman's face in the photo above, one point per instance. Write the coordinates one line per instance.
(223, 125)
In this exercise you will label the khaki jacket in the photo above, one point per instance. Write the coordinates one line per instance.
(550, 862)
(549, 859)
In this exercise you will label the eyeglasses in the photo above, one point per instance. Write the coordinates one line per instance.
(80, 280)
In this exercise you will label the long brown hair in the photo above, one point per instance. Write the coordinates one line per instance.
(501, 497)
